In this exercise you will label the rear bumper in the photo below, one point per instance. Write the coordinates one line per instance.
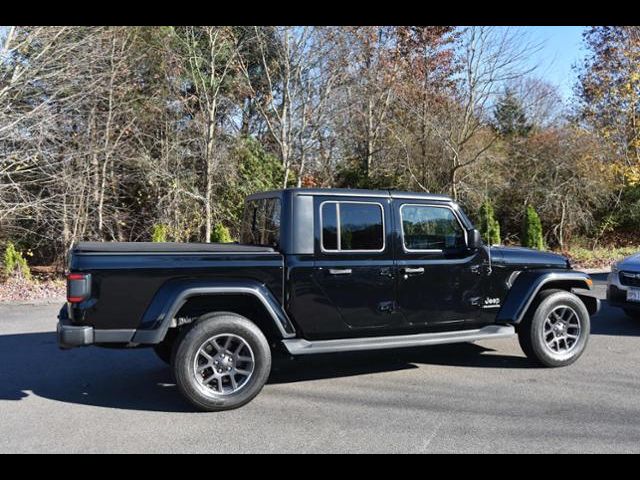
(70, 336)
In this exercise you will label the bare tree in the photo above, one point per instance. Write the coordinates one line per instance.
(541, 101)
(37, 66)
(281, 52)
(211, 59)
(491, 57)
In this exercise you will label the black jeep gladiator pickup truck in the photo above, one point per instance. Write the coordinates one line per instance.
(319, 271)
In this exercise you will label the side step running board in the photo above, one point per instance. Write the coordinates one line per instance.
(299, 346)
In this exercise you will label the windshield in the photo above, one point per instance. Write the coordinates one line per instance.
(261, 222)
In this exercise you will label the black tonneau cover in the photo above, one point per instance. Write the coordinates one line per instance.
(149, 247)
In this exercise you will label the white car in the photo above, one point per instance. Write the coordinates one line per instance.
(624, 285)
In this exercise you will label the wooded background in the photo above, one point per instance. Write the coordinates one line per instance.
(114, 133)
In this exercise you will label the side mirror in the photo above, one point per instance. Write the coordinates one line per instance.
(475, 239)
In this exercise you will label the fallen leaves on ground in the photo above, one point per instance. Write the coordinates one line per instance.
(18, 289)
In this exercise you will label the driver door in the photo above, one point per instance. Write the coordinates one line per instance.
(440, 280)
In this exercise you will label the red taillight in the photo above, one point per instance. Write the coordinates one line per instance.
(78, 287)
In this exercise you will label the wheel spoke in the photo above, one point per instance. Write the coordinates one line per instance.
(203, 353)
(221, 365)
(220, 385)
(561, 330)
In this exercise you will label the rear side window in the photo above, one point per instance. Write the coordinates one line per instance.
(430, 228)
(352, 226)
(261, 222)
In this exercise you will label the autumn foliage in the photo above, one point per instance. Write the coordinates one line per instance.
(134, 133)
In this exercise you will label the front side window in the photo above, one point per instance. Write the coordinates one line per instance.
(352, 226)
(261, 222)
(430, 228)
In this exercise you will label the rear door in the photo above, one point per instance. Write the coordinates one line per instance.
(354, 266)
(440, 280)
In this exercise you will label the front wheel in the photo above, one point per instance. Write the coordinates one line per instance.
(557, 332)
(221, 362)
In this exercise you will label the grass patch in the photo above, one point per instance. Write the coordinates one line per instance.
(601, 257)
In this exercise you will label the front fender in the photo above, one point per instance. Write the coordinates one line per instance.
(529, 283)
(175, 293)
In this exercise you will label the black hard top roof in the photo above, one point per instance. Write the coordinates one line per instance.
(352, 192)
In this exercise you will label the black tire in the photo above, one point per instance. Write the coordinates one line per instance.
(632, 314)
(531, 330)
(197, 335)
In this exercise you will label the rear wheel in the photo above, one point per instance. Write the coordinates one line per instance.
(556, 333)
(221, 362)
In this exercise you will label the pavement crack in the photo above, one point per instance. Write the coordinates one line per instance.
(433, 435)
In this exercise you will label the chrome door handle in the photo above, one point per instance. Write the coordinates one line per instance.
(340, 271)
(409, 270)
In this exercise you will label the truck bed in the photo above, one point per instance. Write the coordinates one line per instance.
(149, 247)
(126, 277)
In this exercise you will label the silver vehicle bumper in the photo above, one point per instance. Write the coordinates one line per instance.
(70, 336)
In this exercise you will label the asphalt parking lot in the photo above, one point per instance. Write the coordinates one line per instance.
(483, 397)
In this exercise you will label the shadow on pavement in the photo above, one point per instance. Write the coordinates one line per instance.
(31, 363)
(613, 321)
(327, 366)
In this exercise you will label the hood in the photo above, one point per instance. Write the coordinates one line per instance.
(527, 258)
(631, 262)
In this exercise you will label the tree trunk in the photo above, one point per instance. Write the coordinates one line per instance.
(285, 158)
(301, 172)
(561, 235)
(209, 159)
(370, 139)
(454, 183)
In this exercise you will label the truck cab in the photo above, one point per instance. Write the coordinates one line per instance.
(383, 264)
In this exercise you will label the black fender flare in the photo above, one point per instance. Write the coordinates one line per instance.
(530, 282)
(167, 302)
